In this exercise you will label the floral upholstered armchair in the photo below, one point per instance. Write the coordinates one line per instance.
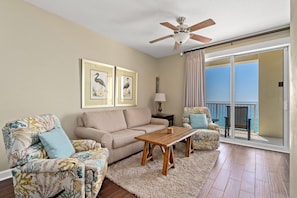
(45, 163)
(208, 135)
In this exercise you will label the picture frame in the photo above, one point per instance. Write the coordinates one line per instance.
(97, 84)
(126, 87)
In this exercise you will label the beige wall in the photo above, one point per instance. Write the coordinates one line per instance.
(293, 103)
(270, 95)
(171, 74)
(40, 65)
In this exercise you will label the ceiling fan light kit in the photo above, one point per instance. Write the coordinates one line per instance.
(182, 33)
(181, 37)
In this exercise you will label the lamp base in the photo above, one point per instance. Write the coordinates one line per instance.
(159, 108)
(160, 113)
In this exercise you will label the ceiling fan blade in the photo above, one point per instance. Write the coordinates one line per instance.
(202, 24)
(176, 46)
(159, 39)
(200, 38)
(169, 25)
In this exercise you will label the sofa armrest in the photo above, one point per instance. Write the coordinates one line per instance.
(85, 145)
(103, 137)
(160, 121)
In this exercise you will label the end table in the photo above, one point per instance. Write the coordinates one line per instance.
(168, 117)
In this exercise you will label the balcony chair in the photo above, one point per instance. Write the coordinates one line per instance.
(241, 120)
(45, 163)
(208, 135)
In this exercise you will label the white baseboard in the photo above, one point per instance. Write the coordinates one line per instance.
(5, 175)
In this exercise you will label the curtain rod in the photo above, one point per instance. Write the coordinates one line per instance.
(279, 29)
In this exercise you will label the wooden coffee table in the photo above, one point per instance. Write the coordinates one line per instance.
(166, 142)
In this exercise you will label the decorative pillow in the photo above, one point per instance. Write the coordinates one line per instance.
(56, 143)
(198, 121)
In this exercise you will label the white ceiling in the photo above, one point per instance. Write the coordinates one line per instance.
(136, 22)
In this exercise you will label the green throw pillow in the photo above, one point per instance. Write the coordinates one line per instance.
(198, 121)
(56, 143)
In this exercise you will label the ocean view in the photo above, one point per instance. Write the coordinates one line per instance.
(218, 91)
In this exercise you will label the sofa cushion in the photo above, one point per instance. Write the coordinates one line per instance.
(137, 116)
(149, 127)
(105, 120)
(125, 137)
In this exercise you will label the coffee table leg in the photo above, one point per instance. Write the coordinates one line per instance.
(168, 160)
(171, 157)
(189, 146)
(150, 154)
(144, 154)
(147, 152)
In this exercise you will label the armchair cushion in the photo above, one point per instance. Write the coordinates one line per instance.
(56, 143)
(198, 121)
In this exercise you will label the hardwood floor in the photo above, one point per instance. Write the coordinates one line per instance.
(240, 172)
(6, 189)
(247, 172)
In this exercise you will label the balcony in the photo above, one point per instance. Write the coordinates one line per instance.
(219, 112)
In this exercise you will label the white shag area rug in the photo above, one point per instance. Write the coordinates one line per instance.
(185, 180)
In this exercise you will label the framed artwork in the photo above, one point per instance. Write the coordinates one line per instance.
(126, 87)
(97, 84)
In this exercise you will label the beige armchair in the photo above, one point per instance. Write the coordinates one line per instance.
(45, 163)
(208, 135)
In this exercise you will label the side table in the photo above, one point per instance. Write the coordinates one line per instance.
(168, 117)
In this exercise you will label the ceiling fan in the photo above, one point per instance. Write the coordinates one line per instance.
(182, 32)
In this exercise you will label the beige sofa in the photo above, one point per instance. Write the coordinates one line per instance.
(116, 129)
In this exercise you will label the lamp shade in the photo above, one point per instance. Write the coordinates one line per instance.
(160, 97)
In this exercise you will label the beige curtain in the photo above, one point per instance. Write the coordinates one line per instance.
(194, 79)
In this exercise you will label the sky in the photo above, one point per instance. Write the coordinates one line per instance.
(246, 83)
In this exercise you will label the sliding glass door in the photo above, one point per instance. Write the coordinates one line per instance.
(246, 93)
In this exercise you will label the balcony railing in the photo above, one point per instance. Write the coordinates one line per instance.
(219, 111)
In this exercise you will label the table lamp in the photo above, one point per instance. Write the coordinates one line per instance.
(160, 97)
